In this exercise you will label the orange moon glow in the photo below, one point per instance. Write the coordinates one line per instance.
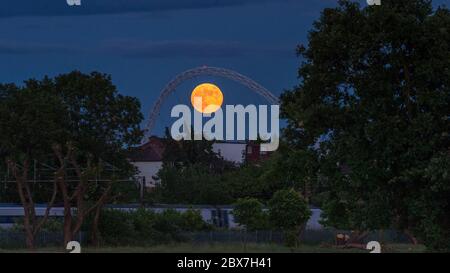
(207, 98)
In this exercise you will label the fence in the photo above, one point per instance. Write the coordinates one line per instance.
(17, 240)
(320, 236)
(257, 237)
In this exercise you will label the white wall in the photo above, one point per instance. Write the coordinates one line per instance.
(148, 170)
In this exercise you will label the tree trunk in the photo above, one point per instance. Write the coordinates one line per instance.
(72, 226)
(95, 223)
(301, 231)
(411, 237)
(25, 200)
(98, 209)
(67, 230)
(67, 226)
(31, 225)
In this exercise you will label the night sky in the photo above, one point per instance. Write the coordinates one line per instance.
(143, 44)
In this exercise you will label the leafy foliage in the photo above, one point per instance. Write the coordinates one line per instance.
(191, 173)
(144, 227)
(288, 210)
(249, 213)
(31, 120)
(374, 103)
(75, 119)
(192, 184)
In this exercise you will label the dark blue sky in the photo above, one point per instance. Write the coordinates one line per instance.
(145, 43)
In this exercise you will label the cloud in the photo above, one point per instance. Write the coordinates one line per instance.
(15, 8)
(142, 49)
(192, 49)
(176, 49)
(19, 48)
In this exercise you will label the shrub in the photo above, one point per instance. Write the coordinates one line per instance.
(51, 225)
(116, 227)
(143, 222)
(144, 227)
(192, 221)
(249, 213)
(289, 212)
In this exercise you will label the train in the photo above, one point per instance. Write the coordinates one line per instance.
(219, 216)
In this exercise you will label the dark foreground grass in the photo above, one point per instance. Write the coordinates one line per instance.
(230, 248)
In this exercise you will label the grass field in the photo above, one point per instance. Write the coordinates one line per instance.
(231, 248)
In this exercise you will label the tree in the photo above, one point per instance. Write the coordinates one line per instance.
(289, 212)
(192, 173)
(191, 184)
(374, 103)
(193, 221)
(103, 125)
(292, 168)
(245, 182)
(249, 212)
(78, 123)
(30, 121)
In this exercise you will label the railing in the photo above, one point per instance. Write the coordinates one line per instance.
(276, 237)
(17, 240)
(257, 237)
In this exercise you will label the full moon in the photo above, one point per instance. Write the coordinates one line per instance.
(207, 98)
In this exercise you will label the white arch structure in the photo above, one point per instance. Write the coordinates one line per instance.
(206, 71)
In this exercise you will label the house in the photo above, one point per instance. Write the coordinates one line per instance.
(148, 160)
(148, 157)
